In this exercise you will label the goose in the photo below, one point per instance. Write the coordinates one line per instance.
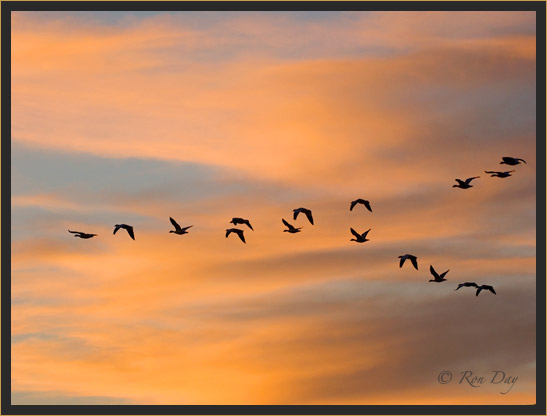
(126, 227)
(464, 184)
(291, 229)
(466, 284)
(512, 161)
(438, 278)
(360, 201)
(305, 211)
(82, 235)
(410, 257)
(360, 238)
(178, 229)
(485, 287)
(237, 231)
(499, 174)
(236, 221)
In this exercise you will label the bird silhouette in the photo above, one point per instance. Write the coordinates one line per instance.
(82, 235)
(466, 284)
(360, 201)
(291, 229)
(499, 174)
(178, 229)
(126, 227)
(485, 287)
(237, 231)
(410, 257)
(438, 278)
(512, 161)
(305, 211)
(359, 238)
(236, 221)
(464, 184)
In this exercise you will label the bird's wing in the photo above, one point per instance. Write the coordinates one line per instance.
(433, 272)
(287, 224)
(175, 224)
(228, 232)
(507, 159)
(116, 228)
(402, 261)
(308, 214)
(460, 182)
(366, 232)
(460, 285)
(521, 160)
(130, 231)
(367, 204)
(185, 228)
(355, 233)
(490, 171)
(240, 233)
(479, 288)
(353, 203)
(74, 232)
(414, 261)
(249, 224)
(444, 274)
(491, 289)
(468, 180)
(295, 213)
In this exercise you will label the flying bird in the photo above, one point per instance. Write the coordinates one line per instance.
(82, 235)
(464, 184)
(126, 227)
(485, 287)
(178, 229)
(305, 211)
(438, 278)
(236, 221)
(360, 201)
(237, 231)
(466, 284)
(291, 229)
(499, 174)
(512, 161)
(360, 238)
(410, 257)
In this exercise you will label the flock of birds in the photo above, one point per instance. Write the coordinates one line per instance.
(359, 238)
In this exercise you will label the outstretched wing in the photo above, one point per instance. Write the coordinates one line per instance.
(353, 203)
(240, 233)
(228, 232)
(366, 232)
(175, 224)
(414, 261)
(355, 233)
(295, 213)
(402, 261)
(468, 180)
(522, 160)
(130, 231)
(287, 224)
(249, 224)
(74, 232)
(116, 228)
(433, 272)
(460, 182)
(367, 204)
(491, 171)
(444, 274)
(185, 228)
(308, 214)
(479, 288)
(491, 289)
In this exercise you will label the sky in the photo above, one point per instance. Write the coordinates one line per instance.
(127, 117)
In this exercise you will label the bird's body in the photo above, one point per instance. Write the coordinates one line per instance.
(499, 174)
(236, 221)
(437, 278)
(178, 229)
(511, 161)
(466, 284)
(236, 231)
(126, 227)
(360, 201)
(485, 287)
(410, 257)
(464, 184)
(304, 211)
(82, 235)
(291, 229)
(359, 238)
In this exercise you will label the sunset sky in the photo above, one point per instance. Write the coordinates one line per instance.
(133, 117)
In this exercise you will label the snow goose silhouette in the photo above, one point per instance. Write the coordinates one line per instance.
(410, 257)
(178, 229)
(236, 221)
(359, 238)
(237, 231)
(360, 201)
(291, 229)
(126, 227)
(438, 278)
(82, 235)
(304, 211)
(485, 287)
(464, 184)
(511, 161)
(499, 174)
(466, 284)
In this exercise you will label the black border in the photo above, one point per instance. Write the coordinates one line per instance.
(7, 408)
